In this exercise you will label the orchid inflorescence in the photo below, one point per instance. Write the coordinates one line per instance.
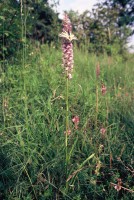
(67, 46)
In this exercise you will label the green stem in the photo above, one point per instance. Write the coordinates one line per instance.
(96, 104)
(67, 126)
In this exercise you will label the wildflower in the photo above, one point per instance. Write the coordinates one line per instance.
(103, 131)
(98, 70)
(76, 121)
(119, 185)
(103, 89)
(67, 46)
(68, 132)
(98, 167)
(101, 148)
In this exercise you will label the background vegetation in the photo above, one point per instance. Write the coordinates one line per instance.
(32, 139)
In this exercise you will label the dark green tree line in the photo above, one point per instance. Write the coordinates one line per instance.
(105, 29)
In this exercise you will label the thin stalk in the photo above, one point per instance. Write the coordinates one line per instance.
(67, 125)
(23, 35)
(97, 100)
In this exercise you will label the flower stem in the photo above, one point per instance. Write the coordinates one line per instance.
(97, 99)
(67, 124)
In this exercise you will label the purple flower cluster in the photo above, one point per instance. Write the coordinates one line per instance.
(67, 27)
(67, 49)
(67, 46)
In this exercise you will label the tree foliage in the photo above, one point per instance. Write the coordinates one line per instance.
(104, 29)
(101, 28)
(26, 18)
(45, 27)
(10, 27)
(126, 10)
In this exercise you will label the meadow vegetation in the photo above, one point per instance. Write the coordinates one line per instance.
(62, 138)
(32, 134)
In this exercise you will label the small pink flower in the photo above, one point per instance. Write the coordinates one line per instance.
(103, 89)
(118, 186)
(76, 121)
(68, 132)
(103, 131)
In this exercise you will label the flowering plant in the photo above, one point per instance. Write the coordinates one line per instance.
(67, 46)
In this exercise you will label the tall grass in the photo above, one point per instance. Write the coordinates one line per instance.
(32, 136)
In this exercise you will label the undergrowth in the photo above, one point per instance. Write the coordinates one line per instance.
(32, 153)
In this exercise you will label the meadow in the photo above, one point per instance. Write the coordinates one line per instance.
(33, 119)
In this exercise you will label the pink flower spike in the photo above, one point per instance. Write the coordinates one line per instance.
(103, 89)
(67, 46)
(67, 27)
(76, 121)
